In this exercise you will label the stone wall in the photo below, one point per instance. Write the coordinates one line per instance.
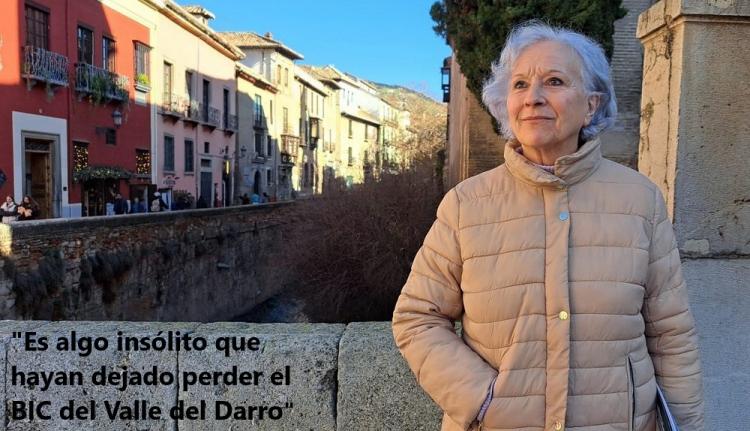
(694, 134)
(343, 378)
(201, 265)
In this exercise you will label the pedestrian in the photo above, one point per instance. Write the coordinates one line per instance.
(120, 205)
(9, 210)
(28, 209)
(245, 199)
(561, 265)
(158, 204)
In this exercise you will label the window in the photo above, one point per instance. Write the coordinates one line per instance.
(206, 147)
(286, 77)
(367, 132)
(168, 153)
(330, 139)
(351, 156)
(108, 54)
(278, 74)
(270, 109)
(351, 128)
(226, 108)
(286, 120)
(366, 158)
(258, 109)
(206, 98)
(167, 82)
(80, 156)
(143, 162)
(258, 144)
(85, 45)
(269, 146)
(37, 28)
(110, 136)
(189, 156)
(189, 85)
(141, 59)
(268, 177)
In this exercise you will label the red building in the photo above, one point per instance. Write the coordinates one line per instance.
(75, 114)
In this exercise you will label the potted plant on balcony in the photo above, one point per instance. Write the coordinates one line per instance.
(142, 83)
(98, 88)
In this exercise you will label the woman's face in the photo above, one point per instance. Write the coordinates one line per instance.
(9, 199)
(26, 200)
(547, 104)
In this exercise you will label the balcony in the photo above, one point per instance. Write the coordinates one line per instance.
(44, 66)
(102, 85)
(211, 117)
(192, 111)
(172, 106)
(288, 150)
(231, 124)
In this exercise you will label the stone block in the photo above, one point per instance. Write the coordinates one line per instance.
(162, 395)
(308, 402)
(720, 301)
(377, 391)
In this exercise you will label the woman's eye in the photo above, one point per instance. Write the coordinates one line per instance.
(555, 81)
(519, 84)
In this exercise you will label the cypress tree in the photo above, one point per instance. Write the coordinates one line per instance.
(477, 29)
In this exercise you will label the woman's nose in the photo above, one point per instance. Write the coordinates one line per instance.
(535, 95)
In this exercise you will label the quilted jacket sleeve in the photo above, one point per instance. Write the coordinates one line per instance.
(670, 330)
(449, 371)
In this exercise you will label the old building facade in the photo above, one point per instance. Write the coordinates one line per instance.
(72, 120)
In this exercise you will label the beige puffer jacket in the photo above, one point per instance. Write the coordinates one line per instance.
(568, 285)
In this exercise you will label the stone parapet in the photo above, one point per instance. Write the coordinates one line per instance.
(339, 377)
(132, 267)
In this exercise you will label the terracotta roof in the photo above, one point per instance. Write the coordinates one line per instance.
(243, 39)
(200, 10)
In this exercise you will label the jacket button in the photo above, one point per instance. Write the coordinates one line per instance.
(564, 215)
(558, 425)
(563, 315)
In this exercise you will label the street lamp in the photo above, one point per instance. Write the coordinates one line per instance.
(117, 118)
(446, 83)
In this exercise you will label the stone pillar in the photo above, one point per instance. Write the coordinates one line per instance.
(695, 108)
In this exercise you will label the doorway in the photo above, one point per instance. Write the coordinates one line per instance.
(40, 174)
(206, 184)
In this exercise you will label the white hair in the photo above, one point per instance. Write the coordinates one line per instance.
(595, 73)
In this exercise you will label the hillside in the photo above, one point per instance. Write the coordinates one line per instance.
(428, 117)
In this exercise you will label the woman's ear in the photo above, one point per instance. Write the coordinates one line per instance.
(592, 101)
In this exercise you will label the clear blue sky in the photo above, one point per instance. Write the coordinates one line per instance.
(387, 41)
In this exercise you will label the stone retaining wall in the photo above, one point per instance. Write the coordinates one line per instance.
(198, 265)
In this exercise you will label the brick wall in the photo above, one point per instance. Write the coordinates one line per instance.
(190, 265)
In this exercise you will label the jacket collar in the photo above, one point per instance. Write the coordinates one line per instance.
(569, 169)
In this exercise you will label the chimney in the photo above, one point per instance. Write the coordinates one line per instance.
(268, 35)
(200, 13)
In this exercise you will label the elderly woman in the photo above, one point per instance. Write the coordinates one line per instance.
(561, 265)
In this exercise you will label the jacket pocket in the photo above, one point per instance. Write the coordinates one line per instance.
(631, 394)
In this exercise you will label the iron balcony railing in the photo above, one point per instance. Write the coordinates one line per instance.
(42, 65)
(100, 82)
(172, 104)
(193, 111)
(231, 122)
(212, 116)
